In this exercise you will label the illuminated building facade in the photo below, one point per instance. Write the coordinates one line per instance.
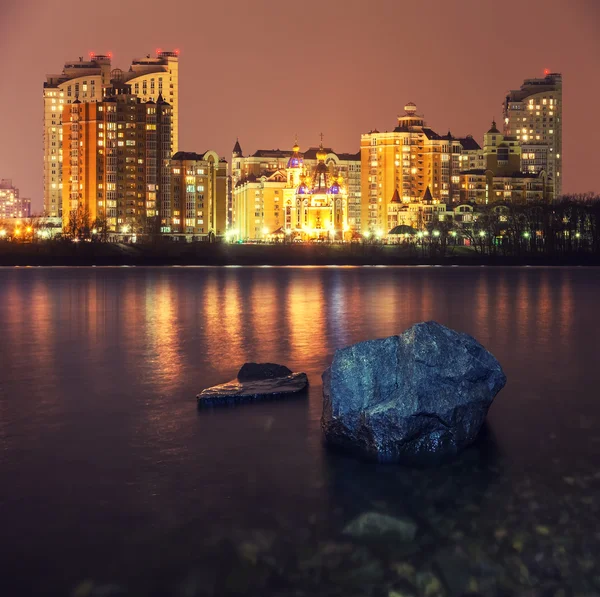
(11, 204)
(116, 164)
(294, 199)
(83, 80)
(533, 115)
(501, 177)
(199, 193)
(86, 81)
(408, 160)
(266, 163)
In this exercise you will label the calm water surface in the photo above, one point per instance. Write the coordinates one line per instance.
(111, 481)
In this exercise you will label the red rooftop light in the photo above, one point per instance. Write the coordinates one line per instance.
(546, 71)
(177, 52)
(158, 51)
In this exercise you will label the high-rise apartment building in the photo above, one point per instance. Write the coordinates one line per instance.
(116, 155)
(199, 195)
(150, 77)
(85, 81)
(11, 204)
(268, 161)
(533, 115)
(407, 161)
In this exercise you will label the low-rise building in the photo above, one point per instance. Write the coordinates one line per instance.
(198, 195)
(12, 205)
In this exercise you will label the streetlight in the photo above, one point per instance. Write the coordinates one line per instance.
(125, 229)
(2, 233)
(436, 233)
(526, 234)
(366, 234)
(482, 234)
(577, 235)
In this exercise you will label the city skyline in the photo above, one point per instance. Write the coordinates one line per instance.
(237, 83)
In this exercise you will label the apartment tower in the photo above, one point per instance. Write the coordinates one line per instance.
(116, 161)
(533, 115)
(86, 81)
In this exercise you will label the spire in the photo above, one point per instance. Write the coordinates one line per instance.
(494, 129)
(321, 154)
(237, 148)
(396, 197)
(427, 197)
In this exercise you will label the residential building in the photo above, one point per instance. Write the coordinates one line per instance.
(199, 190)
(409, 159)
(83, 80)
(86, 82)
(116, 165)
(12, 205)
(533, 115)
(151, 77)
(501, 177)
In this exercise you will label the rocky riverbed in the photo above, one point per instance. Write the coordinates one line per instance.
(462, 529)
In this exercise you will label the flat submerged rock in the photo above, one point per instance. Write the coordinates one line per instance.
(236, 391)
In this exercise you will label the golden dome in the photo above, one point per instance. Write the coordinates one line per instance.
(321, 154)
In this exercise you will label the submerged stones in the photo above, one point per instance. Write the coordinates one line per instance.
(255, 381)
(415, 398)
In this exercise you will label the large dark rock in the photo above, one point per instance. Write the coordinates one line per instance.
(255, 371)
(255, 381)
(416, 398)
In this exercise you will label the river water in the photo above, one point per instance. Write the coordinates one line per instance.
(112, 482)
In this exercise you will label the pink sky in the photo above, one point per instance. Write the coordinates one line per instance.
(265, 71)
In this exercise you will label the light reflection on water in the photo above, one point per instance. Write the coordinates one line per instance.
(99, 434)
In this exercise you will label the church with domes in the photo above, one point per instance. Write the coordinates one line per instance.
(316, 199)
(305, 197)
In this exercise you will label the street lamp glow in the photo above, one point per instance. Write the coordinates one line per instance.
(367, 234)
(288, 231)
(28, 229)
(482, 234)
(426, 233)
(265, 230)
(577, 234)
(379, 233)
(453, 233)
(436, 233)
(94, 231)
(125, 229)
(526, 234)
(2, 233)
(420, 234)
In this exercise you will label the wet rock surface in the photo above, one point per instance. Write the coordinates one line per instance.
(256, 371)
(254, 382)
(417, 398)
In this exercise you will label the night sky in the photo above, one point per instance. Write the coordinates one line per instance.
(264, 70)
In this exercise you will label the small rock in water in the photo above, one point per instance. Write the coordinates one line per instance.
(256, 371)
(372, 525)
(255, 381)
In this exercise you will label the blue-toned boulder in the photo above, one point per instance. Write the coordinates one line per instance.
(417, 398)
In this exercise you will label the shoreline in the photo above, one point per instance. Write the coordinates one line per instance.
(63, 254)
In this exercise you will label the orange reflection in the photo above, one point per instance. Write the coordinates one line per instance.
(162, 331)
